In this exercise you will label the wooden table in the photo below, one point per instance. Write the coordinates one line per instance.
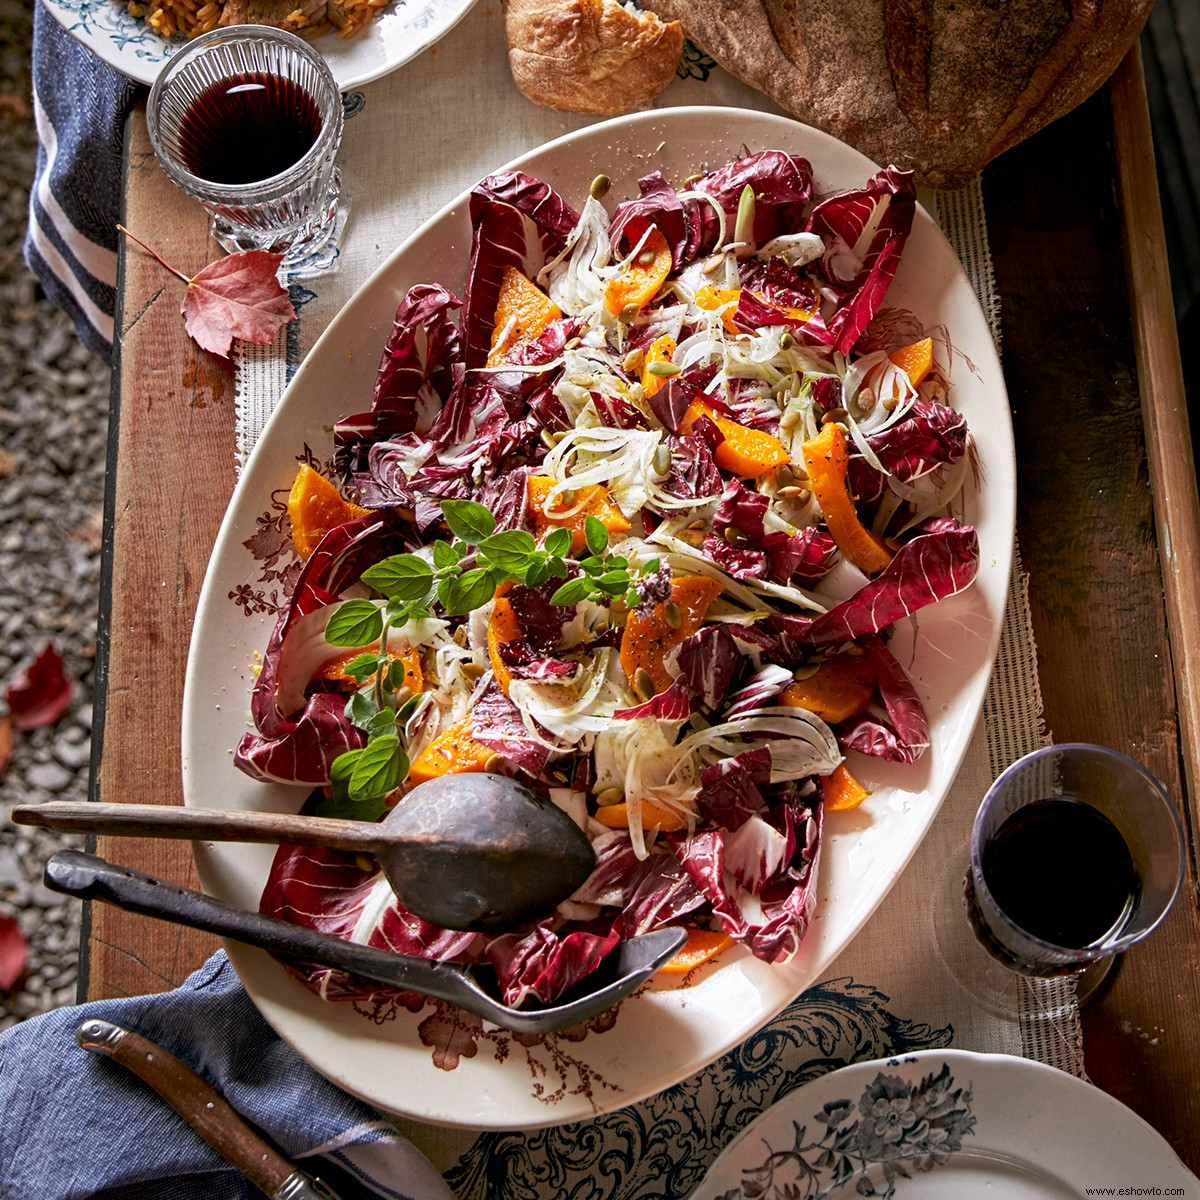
(1108, 526)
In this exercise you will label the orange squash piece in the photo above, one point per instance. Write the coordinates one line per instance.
(841, 791)
(616, 816)
(646, 273)
(595, 503)
(701, 946)
(745, 452)
(841, 688)
(315, 507)
(659, 350)
(454, 752)
(713, 298)
(825, 459)
(410, 656)
(503, 626)
(523, 311)
(915, 360)
(645, 640)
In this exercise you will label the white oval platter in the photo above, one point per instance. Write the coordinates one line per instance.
(426, 1065)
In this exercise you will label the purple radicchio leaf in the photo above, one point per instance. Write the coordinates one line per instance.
(904, 737)
(708, 660)
(672, 400)
(674, 704)
(761, 688)
(860, 274)
(496, 722)
(786, 901)
(940, 561)
(415, 377)
(526, 392)
(782, 186)
(659, 205)
(694, 474)
(542, 963)
(301, 748)
(730, 790)
(501, 206)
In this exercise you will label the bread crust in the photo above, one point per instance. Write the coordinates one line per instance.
(937, 86)
(589, 56)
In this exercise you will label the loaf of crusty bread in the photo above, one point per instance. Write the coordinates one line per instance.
(589, 56)
(939, 86)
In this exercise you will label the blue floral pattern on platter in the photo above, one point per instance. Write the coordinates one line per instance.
(662, 1147)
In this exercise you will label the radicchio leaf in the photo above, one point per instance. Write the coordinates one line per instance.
(708, 660)
(730, 789)
(542, 964)
(674, 704)
(500, 206)
(862, 274)
(906, 738)
(301, 748)
(496, 723)
(940, 561)
(658, 205)
(782, 186)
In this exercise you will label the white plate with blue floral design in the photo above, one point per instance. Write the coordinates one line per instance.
(947, 1123)
(397, 35)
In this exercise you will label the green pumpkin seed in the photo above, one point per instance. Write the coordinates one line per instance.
(600, 186)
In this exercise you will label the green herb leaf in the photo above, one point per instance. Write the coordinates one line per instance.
(445, 555)
(538, 573)
(596, 533)
(362, 667)
(396, 674)
(360, 708)
(468, 520)
(355, 623)
(409, 707)
(468, 591)
(401, 577)
(381, 724)
(376, 770)
(511, 550)
(573, 591)
(649, 567)
(558, 541)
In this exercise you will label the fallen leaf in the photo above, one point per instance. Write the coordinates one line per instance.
(41, 694)
(238, 296)
(6, 743)
(14, 954)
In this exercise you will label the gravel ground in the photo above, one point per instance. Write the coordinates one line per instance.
(53, 428)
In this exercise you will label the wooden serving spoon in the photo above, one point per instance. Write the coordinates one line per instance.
(472, 851)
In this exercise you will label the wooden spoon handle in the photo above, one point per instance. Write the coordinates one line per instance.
(200, 824)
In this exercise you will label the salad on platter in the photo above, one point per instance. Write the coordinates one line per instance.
(630, 520)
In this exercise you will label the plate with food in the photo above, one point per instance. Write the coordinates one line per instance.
(670, 472)
(361, 39)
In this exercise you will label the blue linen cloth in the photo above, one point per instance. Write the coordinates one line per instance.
(80, 106)
(76, 1124)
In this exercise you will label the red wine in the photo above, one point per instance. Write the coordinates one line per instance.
(247, 128)
(1061, 870)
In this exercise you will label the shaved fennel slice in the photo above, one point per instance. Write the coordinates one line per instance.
(575, 280)
(571, 711)
(801, 743)
(620, 459)
(687, 559)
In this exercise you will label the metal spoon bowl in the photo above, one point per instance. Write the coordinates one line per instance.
(470, 851)
(630, 965)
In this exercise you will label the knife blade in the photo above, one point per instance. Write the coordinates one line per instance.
(205, 1110)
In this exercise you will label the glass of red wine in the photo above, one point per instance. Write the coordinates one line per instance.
(1077, 854)
(247, 120)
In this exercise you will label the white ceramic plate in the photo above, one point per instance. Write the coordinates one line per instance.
(393, 38)
(946, 1123)
(432, 1065)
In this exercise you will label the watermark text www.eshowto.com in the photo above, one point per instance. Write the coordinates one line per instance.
(1134, 1191)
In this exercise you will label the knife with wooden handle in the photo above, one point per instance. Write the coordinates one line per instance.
(205, 1110)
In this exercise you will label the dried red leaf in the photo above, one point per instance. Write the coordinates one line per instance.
(238, 296)
(14, 954)
(41, 694)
